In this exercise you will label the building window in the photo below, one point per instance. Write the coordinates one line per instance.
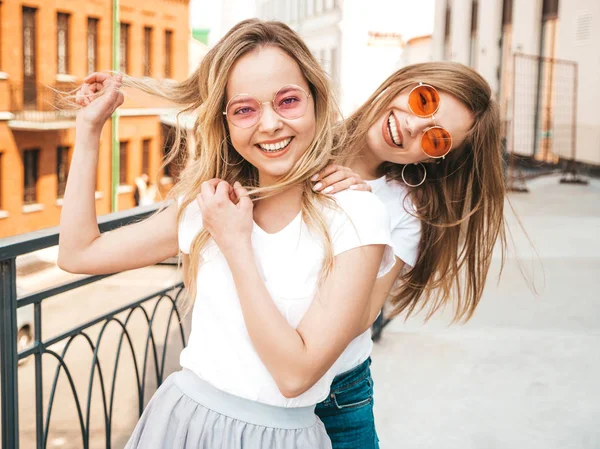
(92, 45)
(507, 12)
(147, 51)
(62, 170)
(29, 58)
(334, 66)
(30, 169)
(549, 28)
(447, 36)
(62, 39)
(146, 157)
(550, 9)
(544, 143)
(123, 163)
(1, 181)
(174, 167)
(505, 76)
(474, 25)
(0, 38)
(124, 48)
(168, 53)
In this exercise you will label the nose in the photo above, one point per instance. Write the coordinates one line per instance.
(270, 120)
(416, 125)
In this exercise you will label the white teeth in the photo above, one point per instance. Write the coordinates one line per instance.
(275, 146)
(394, 130)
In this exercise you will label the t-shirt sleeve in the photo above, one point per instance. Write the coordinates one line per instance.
(363, 220)
(406, 234)
(189, 225)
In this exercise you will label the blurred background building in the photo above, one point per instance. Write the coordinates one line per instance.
(351, 39)
(541, 59)
(46, 45)
(538, 55)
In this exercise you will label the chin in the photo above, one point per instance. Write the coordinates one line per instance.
(275, 171)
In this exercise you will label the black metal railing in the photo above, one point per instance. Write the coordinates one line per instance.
(147, 306)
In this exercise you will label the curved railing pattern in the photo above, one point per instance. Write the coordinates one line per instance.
(151, 363)
(108, 396)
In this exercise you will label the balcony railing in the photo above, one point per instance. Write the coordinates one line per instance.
(37, 102)
(43, 348)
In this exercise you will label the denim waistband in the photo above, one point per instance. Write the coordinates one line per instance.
(352, 376)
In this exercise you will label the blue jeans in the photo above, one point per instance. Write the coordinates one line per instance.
(348, 410)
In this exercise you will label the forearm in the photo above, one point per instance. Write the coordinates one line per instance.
(279, 345)
(78, 222)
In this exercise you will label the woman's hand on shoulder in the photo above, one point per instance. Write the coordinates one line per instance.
(336, 178)
(226, 213)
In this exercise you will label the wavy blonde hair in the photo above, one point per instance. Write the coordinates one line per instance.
(461, 204)
(204, 93)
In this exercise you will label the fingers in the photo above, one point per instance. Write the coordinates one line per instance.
(223, 190)
(363, 186)
(234, 199)
(200, 202)
(120, 99)
(79, 97)
(97, 84)
(328, 183)
(215, 190)
(242, 194)
(335, 178)
(97, 77)
(326, 171)
(208, 188)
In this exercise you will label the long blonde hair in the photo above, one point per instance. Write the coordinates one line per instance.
(461, 204)
(204, 92)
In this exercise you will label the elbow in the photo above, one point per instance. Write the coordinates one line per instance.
(67, 262)
(293, 386)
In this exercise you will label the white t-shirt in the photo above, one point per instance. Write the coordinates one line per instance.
(405, 226)
(406, 234)
(219, 349)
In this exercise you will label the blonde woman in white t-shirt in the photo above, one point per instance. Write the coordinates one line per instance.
(428, 143)
(266, 278)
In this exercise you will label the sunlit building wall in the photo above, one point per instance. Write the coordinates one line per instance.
(47, 45)
(418, 49)
(485, 34)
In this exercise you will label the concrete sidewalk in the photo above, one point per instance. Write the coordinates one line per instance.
(525, 371)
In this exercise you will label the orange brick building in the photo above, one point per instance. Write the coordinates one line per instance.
(47, 44)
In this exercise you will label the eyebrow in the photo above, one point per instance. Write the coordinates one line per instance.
(238, 101)
(282, 90)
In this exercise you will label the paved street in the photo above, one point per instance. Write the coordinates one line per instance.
(524, 372)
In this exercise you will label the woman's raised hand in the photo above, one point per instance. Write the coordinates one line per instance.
(226, 213)
(99, 96)
(335, 178)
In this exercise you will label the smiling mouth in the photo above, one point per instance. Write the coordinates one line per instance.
(275, 147)
(393, 130)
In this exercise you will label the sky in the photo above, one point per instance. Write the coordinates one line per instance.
(408, 17)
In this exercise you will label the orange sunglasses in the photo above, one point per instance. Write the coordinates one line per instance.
(424, 102)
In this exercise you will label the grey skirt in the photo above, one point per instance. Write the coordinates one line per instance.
(186, 412)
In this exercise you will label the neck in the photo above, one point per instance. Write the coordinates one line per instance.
(366, 164)
(275, 211)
